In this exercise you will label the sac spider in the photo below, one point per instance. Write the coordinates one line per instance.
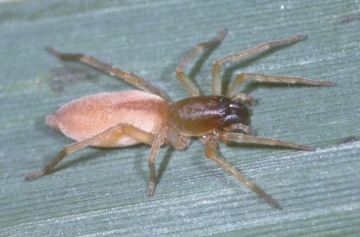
(119, 119)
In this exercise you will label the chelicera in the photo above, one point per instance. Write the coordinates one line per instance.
(119, 119)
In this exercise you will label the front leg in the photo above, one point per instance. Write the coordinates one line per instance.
(242, 138)
(233, 91)
(216, 80)
(210, 152)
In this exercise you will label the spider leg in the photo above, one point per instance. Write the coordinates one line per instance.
(157, 142)
(216, 80)
(129, 77)
(187, 83)
(110, 135)
(168, 133)
(210, 152)
(242, 138)
(235, 86)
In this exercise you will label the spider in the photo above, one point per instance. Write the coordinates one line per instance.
(119, 119)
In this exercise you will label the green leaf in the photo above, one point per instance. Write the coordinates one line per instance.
(102, 192)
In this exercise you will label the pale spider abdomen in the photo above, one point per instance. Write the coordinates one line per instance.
(90, 115)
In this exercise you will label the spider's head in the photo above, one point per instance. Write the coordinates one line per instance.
(234, 112)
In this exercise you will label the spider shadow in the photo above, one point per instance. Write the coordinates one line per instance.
(67, 75)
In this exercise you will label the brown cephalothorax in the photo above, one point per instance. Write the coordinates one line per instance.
(118, 119)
